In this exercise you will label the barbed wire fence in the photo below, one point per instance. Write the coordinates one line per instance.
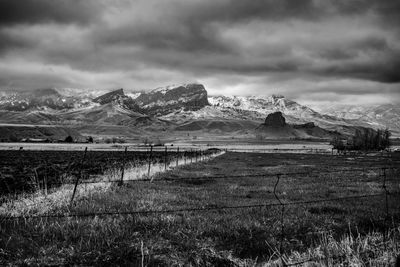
(42, 175)
(280, 202)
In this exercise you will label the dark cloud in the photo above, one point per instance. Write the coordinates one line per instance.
(247, 46)
(9, 43)
(43, 11)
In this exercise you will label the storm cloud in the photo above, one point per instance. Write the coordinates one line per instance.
(304, 49)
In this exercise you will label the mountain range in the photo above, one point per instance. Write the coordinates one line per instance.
(178, 109)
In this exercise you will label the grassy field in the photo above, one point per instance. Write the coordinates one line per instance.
(228, 225)
(24, 170)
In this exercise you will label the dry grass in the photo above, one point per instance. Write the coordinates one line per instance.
(239, 237)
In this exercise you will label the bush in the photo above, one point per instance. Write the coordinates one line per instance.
(69, 139)
(13, 138)
(367, 139)
(114, 140)
(337, 143)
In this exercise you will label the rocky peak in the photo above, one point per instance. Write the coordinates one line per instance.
(275, 119)
(109, 97)
(167, 99)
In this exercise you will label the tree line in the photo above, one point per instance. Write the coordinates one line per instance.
(367, 139)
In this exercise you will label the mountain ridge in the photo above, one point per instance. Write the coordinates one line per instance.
(184, 107)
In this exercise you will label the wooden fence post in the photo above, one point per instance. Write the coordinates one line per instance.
(45, 177)
(150, 156)
(123, 167)
(177, 156)
(282, 222)
(77, 178)
(165, 158)
(386, 194)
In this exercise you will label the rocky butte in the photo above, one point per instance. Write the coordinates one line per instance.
(275, 127)
(275, 120)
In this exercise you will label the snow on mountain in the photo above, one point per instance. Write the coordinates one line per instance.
(133, 95)
(259, 107)
(263, 105)
(180, 104)
(376, 116)
(79, 92)
(162, 101)
(165, 89)
(40, 99)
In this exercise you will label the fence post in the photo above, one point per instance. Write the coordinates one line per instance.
(77, 178)
(191, 155)
(386, 194)
(123, 167)
(37, 182)
(177, 156)
(45, 177)
(6, 183)
(150, 156)
(165, 158)
(278, 176)
(386, 204)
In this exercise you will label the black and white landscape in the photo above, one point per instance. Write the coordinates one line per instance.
(178, 108)
(199, 133)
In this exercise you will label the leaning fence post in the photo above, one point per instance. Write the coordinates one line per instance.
(123, 167)
(282, 219)
(77, 178)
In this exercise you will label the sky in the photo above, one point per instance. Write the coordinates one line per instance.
(312, 51)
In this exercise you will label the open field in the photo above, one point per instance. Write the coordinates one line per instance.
(25, 170)
(237, 209)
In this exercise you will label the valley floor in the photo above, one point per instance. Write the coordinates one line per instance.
(239, 209)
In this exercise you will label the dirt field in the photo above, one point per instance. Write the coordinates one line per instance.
(223, 212)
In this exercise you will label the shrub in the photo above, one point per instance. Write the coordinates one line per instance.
(69, 139)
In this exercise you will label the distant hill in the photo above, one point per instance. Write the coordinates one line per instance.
(50, 133)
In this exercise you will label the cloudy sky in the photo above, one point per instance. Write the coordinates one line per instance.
(313, 51)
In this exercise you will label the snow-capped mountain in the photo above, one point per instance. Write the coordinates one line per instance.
(179, 107)
(165, 100)
(41, 99)
(262, 106)
(376, 116)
